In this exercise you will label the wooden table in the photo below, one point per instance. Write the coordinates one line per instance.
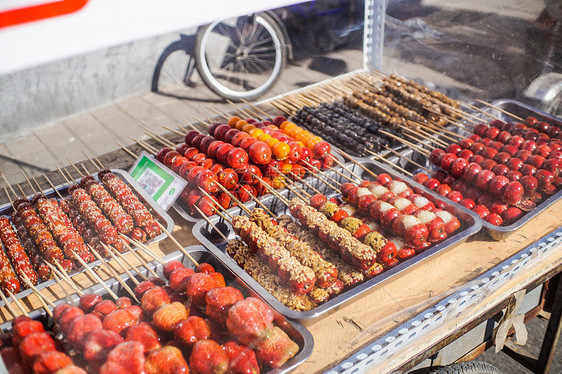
(346, 330)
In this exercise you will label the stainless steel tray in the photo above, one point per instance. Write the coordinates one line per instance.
(181, 207)
(517, 108)
(294, 329)
(158, 213)
(211, 240)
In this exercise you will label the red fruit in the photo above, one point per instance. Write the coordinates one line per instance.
(204, 268)
(529, 183)
(205, 143)
(454, 148)
(455, 196)
(420, 177)
(523, 155)
(237, 139)
(198, 285)
(229, 136)
(478, 147)
(502, 157)
(250, 173)
(213, 148)
(443, 189)
(481, 210)
(119, 321)
(544, 177)
(221, 131)
(178, 277)
(162, 154)
(321, 150)
(99, 343)
(208, 357)
(504, 136)
(68, 316)
(241, 359)
(440, 175)
(383, 179)
(142, 287)
(196, 142)
(471, 171)
(489, 152)
(431, 183)
(495, 219)
(165, 360)
(458, 166)
(169, 267)
(207, 181)
(528, 169)
(260, 153)
(127, 357)
(467, 203)
(50, 362)
(190, 153)
(248, 320)
(500, 169)
(492, 132)
(466, 143)
(436, 155)
(488, 164)
(81, 327)
(145, 335)
(170, 158)
(447, 161)
(497, 185)
(553, 166)
(514, 175)
(536, 161)
(277, 349)
(219, 301)
(480, 129)
(193, 173)
(34, 345)
(466, 154)
(513, 192)
(237, 159)
(295, 153)
(25, 327)
(154, 299)
(516, 141)
(88, 302)
(191, 330)
(483, 179)
(219, 279)
(498, 207)
(476, 159)
(475, 138)
(511, 215)
(543, 150)
(191, 134)
(228, 178)
(223, 151)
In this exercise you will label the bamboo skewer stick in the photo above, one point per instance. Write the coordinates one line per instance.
(95, 275)
(303, 182)
(39, 295)
(378, 157)
(322, 173)
(172, 130)
(182, 249)
(482, 111)
(114, 274)
(64, 290)
(272, 190)
(211, 223)
(9, 306)
(240, 204)
(257, 108)
(64, 275)
(343, 166)
(419, 149)
(118, 257)
(218, 211)
(407, 159)
(145, 146)
(340, 174)
(358, 164)
(501, 110)
(125, 149)
(18, 303)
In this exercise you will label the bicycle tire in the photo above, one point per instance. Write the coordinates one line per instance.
(214, 85)
(470, 367)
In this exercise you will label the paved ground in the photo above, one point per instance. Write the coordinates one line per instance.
(96, 131)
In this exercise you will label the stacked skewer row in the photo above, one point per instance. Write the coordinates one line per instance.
(186, 319)
(96, 218)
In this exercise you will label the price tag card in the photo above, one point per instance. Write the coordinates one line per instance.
(162, 184)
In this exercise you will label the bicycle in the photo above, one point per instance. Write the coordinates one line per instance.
(241, 58)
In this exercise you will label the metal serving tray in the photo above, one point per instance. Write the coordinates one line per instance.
(159, 214)
(294, 329)
(181, 207)
(211, 240)
(517, 108)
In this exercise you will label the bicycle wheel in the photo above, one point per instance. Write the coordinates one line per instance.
(241, 57)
